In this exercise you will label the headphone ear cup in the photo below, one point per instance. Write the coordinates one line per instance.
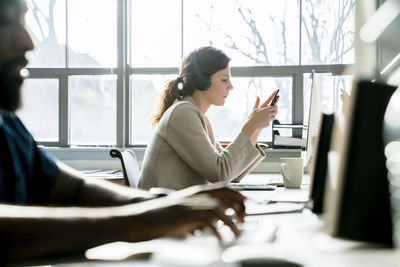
(202, 83)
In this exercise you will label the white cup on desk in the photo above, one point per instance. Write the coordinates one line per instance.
(292, 172)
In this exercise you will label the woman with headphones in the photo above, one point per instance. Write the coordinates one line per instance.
(183, 151)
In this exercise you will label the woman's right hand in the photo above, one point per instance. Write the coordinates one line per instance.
(260, 117)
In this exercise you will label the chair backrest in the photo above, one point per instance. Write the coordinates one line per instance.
(129, 164)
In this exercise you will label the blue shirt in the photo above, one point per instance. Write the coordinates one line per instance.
(27, 173)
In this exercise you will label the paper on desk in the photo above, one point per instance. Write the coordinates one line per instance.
(289, 141)
(291, 195)
(100, 173)
(253, 208)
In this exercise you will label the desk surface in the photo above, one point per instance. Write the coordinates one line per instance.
(299, 237)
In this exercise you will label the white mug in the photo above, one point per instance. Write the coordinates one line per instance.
(292, 172)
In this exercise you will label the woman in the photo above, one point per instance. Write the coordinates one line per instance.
(183, 151)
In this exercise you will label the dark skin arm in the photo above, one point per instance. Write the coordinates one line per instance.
(71, 189)
(29, 232)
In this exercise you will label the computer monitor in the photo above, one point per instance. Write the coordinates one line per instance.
(357, 197)
(313, 112)
(318, 172)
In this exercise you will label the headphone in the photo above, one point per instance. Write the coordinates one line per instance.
(202, 82)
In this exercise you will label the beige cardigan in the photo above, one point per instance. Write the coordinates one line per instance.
(183, 151)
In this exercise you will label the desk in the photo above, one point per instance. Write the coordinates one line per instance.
(300, 238)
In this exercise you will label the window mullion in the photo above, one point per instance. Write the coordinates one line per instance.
(64, 110)
(122, 79)
(182, 28)
(300, 29)
(66, 35)
(297, 110)
(63, 105)
(298, 88)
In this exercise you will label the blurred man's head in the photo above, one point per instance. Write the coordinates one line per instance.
(14, 43)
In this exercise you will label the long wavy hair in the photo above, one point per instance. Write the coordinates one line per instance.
(210, 59)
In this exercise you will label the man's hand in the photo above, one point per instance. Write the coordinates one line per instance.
(178, 217)
(227, 197)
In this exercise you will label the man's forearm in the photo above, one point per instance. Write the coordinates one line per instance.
(71, 189)
(29, 232)
(104, 193)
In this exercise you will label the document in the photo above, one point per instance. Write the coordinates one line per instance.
(289, 141)
(100, 173)
(253, 208)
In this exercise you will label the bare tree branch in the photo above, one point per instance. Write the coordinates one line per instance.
(259, 41)
(36, 12)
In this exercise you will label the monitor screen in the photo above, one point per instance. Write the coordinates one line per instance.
(357, 198)
(313, 112)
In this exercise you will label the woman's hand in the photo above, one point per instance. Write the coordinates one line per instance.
(260, 118)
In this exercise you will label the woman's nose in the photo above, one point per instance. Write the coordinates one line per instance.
(230, 86)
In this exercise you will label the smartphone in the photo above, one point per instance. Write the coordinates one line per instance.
(275, 97)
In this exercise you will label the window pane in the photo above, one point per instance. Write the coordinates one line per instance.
(155, 33)
(328, 89)
(39, 110)
(145, 94)
(251, 32)
(228, 120)
(92, 33)
(45, 21)
(93, 109)
(328, 32)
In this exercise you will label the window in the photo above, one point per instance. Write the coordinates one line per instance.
(92, 33)
(145, 95)
(41, 96)
(329, 93)
(101, 65)
(253, 33)
(93, 109)
(327, 32)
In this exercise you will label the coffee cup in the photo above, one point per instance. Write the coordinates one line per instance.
(292, 172)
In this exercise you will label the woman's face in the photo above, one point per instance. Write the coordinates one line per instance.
(220, 87)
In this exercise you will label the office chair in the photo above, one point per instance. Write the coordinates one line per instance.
(130, 166)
